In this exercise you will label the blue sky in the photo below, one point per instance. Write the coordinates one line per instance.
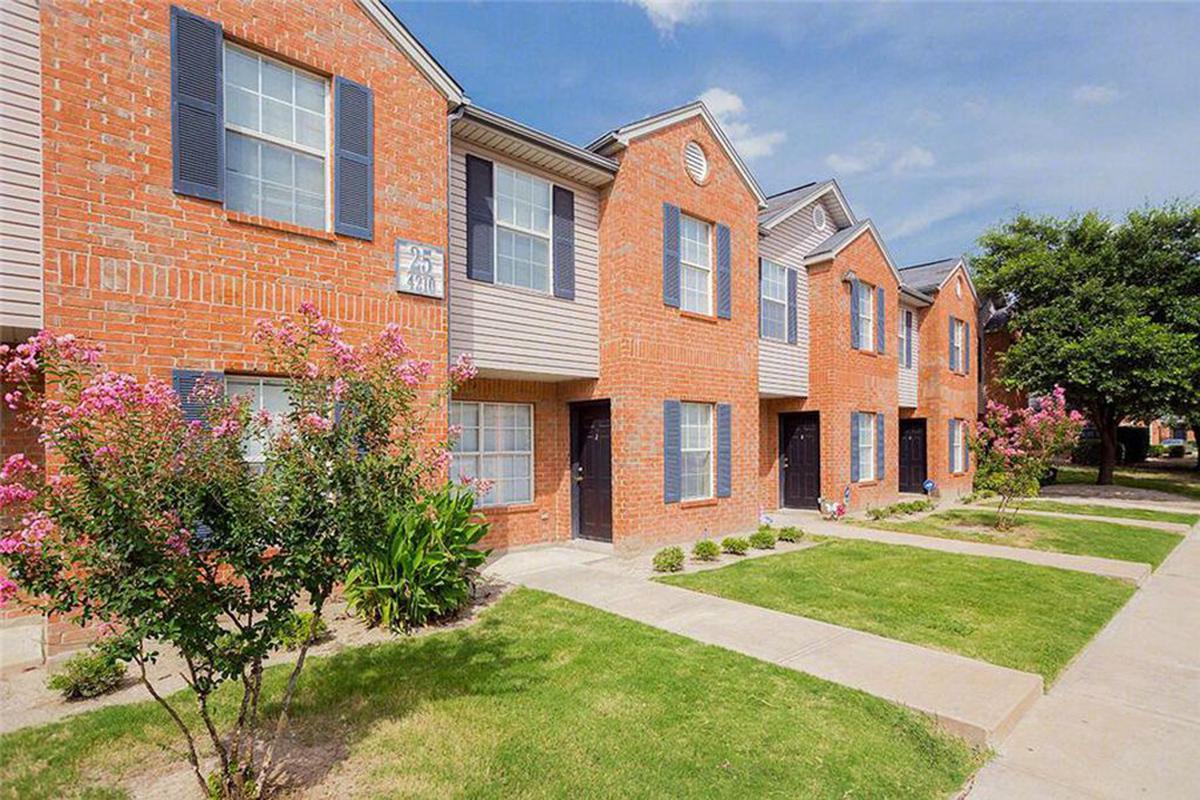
(937, 120)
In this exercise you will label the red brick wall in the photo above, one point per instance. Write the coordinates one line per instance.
(944, 395)
(650, 352)
(843, 380)
(995, 343)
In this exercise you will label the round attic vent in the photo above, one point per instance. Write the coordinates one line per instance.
(695, 161)
(818, 217)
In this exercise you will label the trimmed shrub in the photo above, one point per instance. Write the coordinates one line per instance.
(735, 545)
(706, 550)
(669, 559)
(296, 629)
(910, 507)
(1156, 451)
(762, 539)
(789, 534)
(1177, 451)
(90, 673)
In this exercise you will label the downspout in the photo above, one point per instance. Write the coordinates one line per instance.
(454, 116)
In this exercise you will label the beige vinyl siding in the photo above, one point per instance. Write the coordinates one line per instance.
(521, 333)
(909, 378)
(783, 368)
(20, 168)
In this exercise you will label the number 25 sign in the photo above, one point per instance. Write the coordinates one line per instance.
(420, 269)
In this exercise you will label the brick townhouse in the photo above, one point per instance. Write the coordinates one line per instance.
(663, 351)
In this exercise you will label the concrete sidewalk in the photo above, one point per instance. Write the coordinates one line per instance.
(811, 522)
(978, 701)
(1172, 527)
(1124, 720)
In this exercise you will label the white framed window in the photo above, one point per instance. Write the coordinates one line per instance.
(695, 265)
(774, 301)
(276, 139)
(266, 394)
(864, 434)
(958, 446)
(866, 317)
(908, 328)
(523, 212)
(956, 346)
(496, 445)
(696, 444)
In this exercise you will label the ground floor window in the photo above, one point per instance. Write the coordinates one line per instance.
(265, 394)
(496, 445)
(958, 445)
(864, 435)
(696, 445)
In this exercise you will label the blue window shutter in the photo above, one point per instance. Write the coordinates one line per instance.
(966, 354)
(724, 273)
(353, 159)
(854, 447)
(724, 450)
(480, 220)
(880, 320)
(184, 382)
(953, 351)
(793, 319)
(880, 460)
(672, 454)
(854, 332)
(197, 106)
(564, 243)
(671, 255)
(950, 445)
(908, 339)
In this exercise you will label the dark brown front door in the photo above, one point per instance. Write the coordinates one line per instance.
(800, 459)
(912, 455)
(591, 471)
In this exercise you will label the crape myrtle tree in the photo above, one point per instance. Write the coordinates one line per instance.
(1107, 311)
(154, 525)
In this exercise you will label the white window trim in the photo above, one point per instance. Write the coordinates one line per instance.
(902, 354)
(707, 269)
(548, 237)
(866, 466)
(959, 442)
(711, 450)
(866, 325)
(327, 155)
(960, 330)
(480, 453)
(762, 298)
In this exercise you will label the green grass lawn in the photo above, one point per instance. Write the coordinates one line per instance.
(1184, 484)
(1116, 512)
(1082, 537)
(1017, 615)
(542, 698)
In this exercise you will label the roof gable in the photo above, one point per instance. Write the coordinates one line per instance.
(408, 44)
(783, 206)
(932, 276)
(839, 241)
(620, 138)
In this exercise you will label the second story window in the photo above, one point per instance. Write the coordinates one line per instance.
(774, 301)
(695, 265)
(522, 230)
(908, 331)
(864, 300)
(276, 140)
(957, 334)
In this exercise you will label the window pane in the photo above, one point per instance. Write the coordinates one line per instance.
(241, 194)
(241, 154)
(774, 320)
(310, 129)
(241, 68)
(310, 93)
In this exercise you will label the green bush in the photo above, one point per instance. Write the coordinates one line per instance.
(1177, 451)
(735, 545)
(762, 539)
(669, 559)
(90, 673)
(789, 534)
(1156, 451)
(706, 550)
(296, 629)
(424, 567)
(910, 507)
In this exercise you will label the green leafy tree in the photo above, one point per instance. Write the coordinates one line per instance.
(1097, 310)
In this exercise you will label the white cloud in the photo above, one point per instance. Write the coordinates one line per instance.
(1093, 95)
(942, 207)
(912, 159)
(864, 158)
(666, 14)
(729, 108)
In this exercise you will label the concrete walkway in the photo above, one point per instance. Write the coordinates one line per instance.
(1173, 527)
(811, 522)
(978, 701)
(1124, 720)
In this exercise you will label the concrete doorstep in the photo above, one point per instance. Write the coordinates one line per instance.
(978, 701)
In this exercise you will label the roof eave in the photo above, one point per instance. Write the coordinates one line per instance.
(408, 44)
(533, 137)
(819, 190)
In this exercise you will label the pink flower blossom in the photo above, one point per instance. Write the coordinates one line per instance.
(339, 388)
(13, 493)
(15, 466)
(315, 423)
(178, 542)
(463, 369)
(8, 590)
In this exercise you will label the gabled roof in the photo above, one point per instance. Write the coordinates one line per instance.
(408, 44)
(619, 138)
(783, 205)
(496, 132)
(931, 276)
(838, 242)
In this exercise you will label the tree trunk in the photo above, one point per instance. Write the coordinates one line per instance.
(1108, 448)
